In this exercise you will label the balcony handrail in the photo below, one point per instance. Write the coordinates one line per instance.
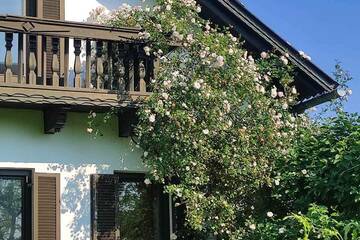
(58, 28)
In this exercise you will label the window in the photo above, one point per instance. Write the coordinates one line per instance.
(124, 207)
(15, 205)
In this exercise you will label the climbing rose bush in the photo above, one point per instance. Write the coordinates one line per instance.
(217, 120)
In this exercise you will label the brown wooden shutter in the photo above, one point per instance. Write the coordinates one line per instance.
(103, 208)
(47, 206)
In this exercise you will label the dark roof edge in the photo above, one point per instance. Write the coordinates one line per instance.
(319, 76)
(317, 100)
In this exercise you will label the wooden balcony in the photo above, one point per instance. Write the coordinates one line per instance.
(75, 66)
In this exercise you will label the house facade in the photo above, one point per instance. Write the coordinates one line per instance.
(57, 181)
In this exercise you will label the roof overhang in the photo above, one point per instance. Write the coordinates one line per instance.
(313, 84)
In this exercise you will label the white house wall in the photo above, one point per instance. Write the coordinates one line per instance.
(78, 10)
(73, 153)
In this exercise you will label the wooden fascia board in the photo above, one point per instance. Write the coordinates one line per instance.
(45, 96)
(224, 7)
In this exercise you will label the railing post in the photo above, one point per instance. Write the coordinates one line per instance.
(142, 75)
(88, 65)
(32, 60)
(130, 69)
(121, 82)
(99, 64)
(55, 62)
(77, 64)
(110, 57)
(21, 78)
(44, 57)
(8, 57)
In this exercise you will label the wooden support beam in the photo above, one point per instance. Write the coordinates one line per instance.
(127, 119)
(54, 119)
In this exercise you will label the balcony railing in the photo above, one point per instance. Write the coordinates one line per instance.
(72, 64)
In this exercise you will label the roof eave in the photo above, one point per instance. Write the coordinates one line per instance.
(322, 82)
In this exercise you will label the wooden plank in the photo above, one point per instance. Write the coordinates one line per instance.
(67, 29)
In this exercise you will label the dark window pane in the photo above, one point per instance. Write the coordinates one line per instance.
(135, 211)
(11, 199)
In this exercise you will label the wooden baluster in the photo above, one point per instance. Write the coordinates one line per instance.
(110, 73)
(55, 62)
(77, 64)
(121, 81)
(40, 61)
(8, 57)
(32, 60)
(142, 75)
(88, 65)
(99, 65)
(21, 59)
(44, 57)
(129, 68)
(150, 72)
(66, 62)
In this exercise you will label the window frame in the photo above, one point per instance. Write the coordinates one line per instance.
(27, 200)
(135, 177)
(163, 231)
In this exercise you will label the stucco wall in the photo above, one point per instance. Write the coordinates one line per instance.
(73, 153)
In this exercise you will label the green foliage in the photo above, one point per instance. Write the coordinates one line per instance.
(317, 223)
(324, 167)
(218, 132)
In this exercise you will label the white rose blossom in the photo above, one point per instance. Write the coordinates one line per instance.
(264, 55)
(252, 226)
(284, 60)
(280, 94)
(269, 214)
(197, 85)
(152, 118)
(147, 181)
(273, 92)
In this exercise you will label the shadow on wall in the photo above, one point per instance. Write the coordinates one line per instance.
(75, 198)
(114, 4)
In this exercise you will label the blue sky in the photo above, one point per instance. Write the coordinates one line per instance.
(327, 30)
